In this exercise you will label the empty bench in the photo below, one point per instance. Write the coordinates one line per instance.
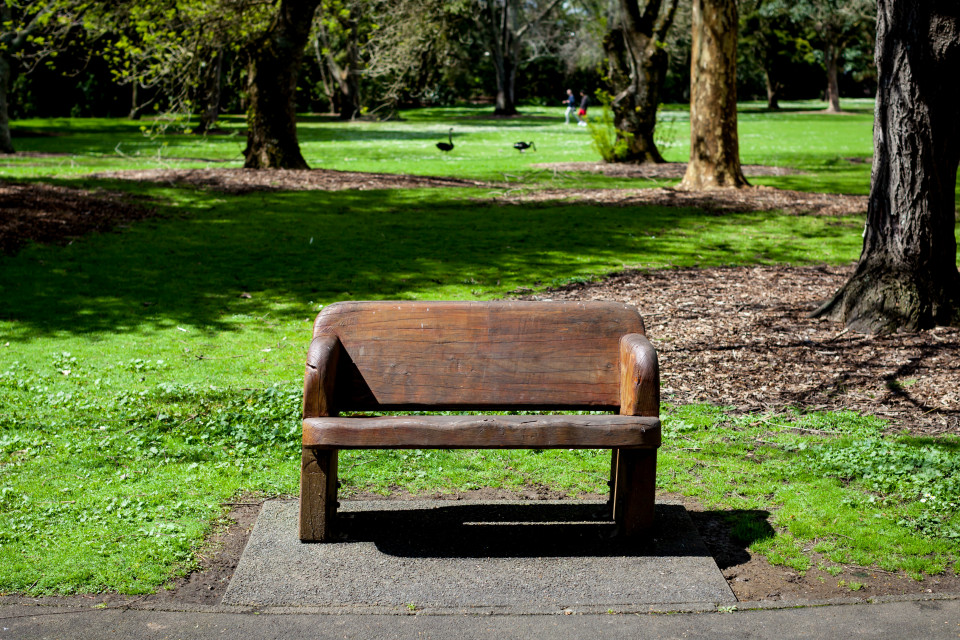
(477, 357)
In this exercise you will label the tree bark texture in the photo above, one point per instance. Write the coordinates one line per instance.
(714, 146)
(907, 276)
(274, 63)
(832, 55)
(637, 66)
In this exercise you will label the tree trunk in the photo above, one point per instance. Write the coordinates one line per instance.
(832, 55)
(210, 94)
(271, 86)
(345, 98)
(6, 142)
(714, 147)
(773, 91)
(134, 100)
(505, 59)
(907, 276)
(637, 66)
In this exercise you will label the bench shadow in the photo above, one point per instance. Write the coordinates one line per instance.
(517, 531)
(729, 533)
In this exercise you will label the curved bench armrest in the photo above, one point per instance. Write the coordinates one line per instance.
(639, 377)
(319, 377)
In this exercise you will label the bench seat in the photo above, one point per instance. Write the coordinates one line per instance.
(482, 432)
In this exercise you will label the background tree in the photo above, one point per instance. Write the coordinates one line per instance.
(907, 275)
(771, 39)
(505, 24)
(274, 64)
(178, 42)
(834, 27)
(637, 66)
(336, 46)
(29, 33)
(714, 146)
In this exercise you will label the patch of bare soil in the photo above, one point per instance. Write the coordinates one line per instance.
(47, 213)
(718, 200)
(239, 181)
(660, 170)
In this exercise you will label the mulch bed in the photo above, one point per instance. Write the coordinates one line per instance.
(52, 214)
(716, 201)
(663, 170)
(742, 337)
(238, 181)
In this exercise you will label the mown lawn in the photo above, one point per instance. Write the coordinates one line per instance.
(149, 376)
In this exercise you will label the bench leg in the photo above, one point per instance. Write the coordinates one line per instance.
(634, 489)
(318, 494)
(612, 482)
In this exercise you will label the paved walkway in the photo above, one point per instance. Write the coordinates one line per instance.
(441, 569)
(927, 619)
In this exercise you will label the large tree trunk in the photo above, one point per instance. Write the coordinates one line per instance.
(907, 275)
(714, 146)
(271, 86)
(832, 55)
(6, 142)
(637, 66)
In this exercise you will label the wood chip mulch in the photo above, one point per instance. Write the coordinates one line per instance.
(741, 337)
(53, 214)
(717, 201)
(238, 181)
(662, 170)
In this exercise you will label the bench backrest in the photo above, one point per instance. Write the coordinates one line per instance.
(478, 355)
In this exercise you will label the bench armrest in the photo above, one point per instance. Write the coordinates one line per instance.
(639, 377)
(319, 377)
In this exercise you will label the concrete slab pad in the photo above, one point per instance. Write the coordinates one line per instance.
(508, 556)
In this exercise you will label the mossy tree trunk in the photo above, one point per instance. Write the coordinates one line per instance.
(714, 146)
(907, 276)
(274, 64)
(637, 66)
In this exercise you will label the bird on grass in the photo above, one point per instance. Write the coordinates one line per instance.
(447, 146)
(523, 146)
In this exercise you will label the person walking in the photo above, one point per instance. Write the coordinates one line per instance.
(582, 113)
(571, 102)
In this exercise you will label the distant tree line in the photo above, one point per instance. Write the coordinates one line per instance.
(375, 56)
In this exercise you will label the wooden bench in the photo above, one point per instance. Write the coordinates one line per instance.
(479, 356)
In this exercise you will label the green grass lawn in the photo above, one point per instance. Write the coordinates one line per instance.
(818, 144)
(149, 376)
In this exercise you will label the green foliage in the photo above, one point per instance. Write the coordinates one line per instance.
(611, 143)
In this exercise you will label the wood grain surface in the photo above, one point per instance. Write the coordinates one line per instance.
(476, 355)
(482, 432)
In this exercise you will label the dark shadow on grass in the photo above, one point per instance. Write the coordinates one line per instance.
(729, 533)
(268, 254)
(517, 531)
